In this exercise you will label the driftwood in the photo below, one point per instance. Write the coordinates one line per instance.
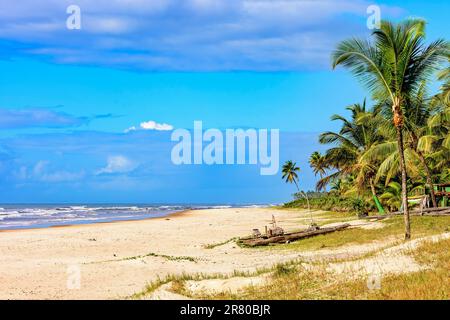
(291, 236)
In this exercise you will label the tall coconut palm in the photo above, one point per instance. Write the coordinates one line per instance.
(419, 112)
(289, 172)
(417, 115)
(392, 67)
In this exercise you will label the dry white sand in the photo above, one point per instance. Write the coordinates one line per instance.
(43, 263)
(116, 260)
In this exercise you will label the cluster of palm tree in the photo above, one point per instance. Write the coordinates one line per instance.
(401, 144)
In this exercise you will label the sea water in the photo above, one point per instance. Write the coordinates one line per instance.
(22, 216)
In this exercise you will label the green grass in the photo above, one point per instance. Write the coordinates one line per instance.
(323, 217)
(218, 244)
(151, 254)
(178, 278)
(291, 281)
(336, 215)
(433, 283)
(393, 229)
(171, 258)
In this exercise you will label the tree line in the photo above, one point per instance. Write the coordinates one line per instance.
(400, 145)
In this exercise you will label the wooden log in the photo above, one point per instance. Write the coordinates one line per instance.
(424, 210)
(293, 236)
(435, 213)
(441, 212)
(378, 217)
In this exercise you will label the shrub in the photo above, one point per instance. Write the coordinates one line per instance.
(360, 207)
(333, 202)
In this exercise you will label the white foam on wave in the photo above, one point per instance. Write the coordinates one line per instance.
(20, 217)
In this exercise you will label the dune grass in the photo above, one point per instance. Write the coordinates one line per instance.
(151, 254)
(393, 229)
(292, 281)
(218, 244)
(178, 279)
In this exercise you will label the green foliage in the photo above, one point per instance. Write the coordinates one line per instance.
(331, 202)
(393, 195)
(289, 172)
(360, 207)
(406, 129)
(283, 269)
(318, 163)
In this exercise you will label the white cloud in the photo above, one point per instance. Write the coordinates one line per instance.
(118, 164)
(187, 35)
(151, 125)
(133, 128)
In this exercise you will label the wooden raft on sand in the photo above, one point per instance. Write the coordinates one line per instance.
(287, 237)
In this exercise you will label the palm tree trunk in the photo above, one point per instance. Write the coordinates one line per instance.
(428, 177)
(296, 185)
(404, 178)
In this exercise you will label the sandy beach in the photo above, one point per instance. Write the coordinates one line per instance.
(118, 259)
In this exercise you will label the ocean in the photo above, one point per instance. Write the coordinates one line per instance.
(23, 216)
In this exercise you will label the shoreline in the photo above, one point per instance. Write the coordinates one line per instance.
(173, 214)
(157, 216)
(118, 259)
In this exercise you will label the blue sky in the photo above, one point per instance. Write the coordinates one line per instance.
(67, 96)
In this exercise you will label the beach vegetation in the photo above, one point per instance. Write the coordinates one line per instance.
(390, 229)
(399, 147)
(297, 279)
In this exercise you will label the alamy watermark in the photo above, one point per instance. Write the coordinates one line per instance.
(234, 146)
(73, 277)
(374, 281)
(73, 21)
(374, 19)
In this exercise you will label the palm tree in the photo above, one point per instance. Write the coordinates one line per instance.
(338, 185)
(417, 115)
(392, 67)
(436, 143)
(289, 171)
(393, 195)
(419, 112)
(318, 163)
(355, 137)
(444, 75)
(347, 144)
